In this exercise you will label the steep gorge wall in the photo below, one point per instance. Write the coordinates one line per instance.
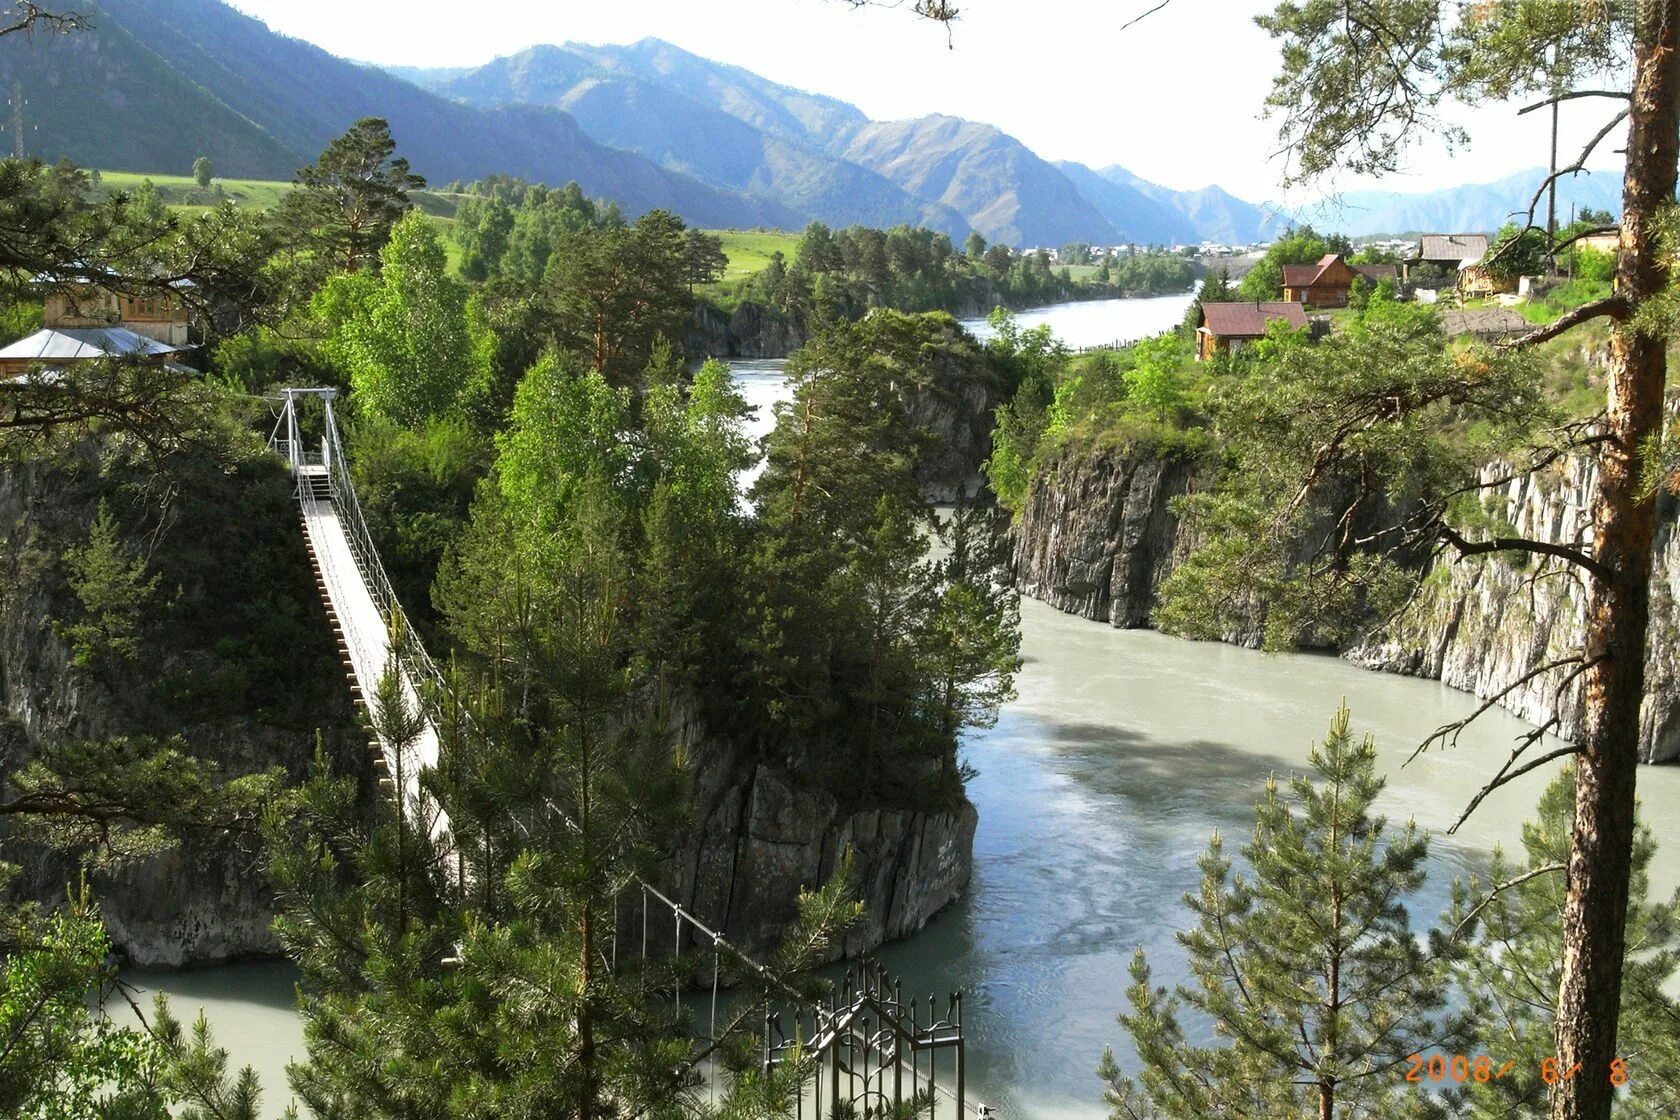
(1482, 625)
(200, 674)
(1096, 538)
(758, 835)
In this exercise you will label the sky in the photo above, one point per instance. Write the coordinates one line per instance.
(1175, 98)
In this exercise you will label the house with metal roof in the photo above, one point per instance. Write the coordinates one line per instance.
(1449, 252)
(55, 347)
(1225, 328)
(78, 304)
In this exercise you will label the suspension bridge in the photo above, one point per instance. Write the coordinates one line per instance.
(869, 1050)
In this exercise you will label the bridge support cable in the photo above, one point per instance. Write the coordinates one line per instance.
(868, 1024)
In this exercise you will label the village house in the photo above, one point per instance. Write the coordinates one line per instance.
(84, 322)
(1325, 284)
(1225, 328)
(165, 318)
(1448, 252)
(1329, 283)
(1602, 242)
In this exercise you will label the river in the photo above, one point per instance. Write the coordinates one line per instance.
(1097, 791)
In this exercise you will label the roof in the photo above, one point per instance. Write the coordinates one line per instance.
(81, 344)
(1484, 321)
(1378, 272)
(1464, 248)
(1249, 320)
(1307, 275)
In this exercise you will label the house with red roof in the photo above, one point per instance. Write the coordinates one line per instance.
(1225, 328)
(1329, 283)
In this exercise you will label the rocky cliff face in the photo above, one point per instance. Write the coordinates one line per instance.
(758, 836)
(750, 331)
(1485, 624)
(200, 675)
(1095, 538)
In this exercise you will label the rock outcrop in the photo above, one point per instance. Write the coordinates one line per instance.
(1096, 538)
(752, 330)
(197, 676)
(1487, 624)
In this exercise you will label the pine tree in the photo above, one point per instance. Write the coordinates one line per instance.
(112, 587)
(1306, 965)
(347, 202)
(1510, 973)
(971, 643)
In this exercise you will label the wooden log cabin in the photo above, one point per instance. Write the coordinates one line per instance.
(89, 306)
(1225, 328)
(83, 322)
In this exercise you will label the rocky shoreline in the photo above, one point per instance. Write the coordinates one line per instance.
(1096, 537)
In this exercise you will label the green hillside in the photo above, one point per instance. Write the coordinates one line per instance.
(156, 83)
(749, 250)
(183, 193)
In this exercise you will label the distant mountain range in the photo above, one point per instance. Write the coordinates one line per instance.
(160, 82)
(1470, 208)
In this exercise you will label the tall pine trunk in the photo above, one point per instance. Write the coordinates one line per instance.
(1595, 914)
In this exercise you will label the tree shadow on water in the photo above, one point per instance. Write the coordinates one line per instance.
(1117, 761)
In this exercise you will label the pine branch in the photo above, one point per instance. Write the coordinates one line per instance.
(1476, 911)
(1447, 734)
(24, 16)
(1575, 556)
(1619, 94)
(1612, 307)
(1506, 775)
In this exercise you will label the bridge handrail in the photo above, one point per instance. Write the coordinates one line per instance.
(410, 651)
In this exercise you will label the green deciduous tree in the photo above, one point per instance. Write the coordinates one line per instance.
(567, 425)
(403, 336)
(1305, 962)
(203, 172)
(1299, 246)
(63, 1057)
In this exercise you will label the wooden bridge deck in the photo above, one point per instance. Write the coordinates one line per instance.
(363, 634)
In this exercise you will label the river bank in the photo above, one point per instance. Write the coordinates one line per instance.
(754, 332)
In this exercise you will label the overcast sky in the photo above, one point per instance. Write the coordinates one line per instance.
(1175, 98)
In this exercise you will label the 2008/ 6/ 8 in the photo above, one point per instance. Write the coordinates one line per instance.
(1460, 1068)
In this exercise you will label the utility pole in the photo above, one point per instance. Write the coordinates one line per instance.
(1551, 186)
(17, 119)
(1551, 193)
